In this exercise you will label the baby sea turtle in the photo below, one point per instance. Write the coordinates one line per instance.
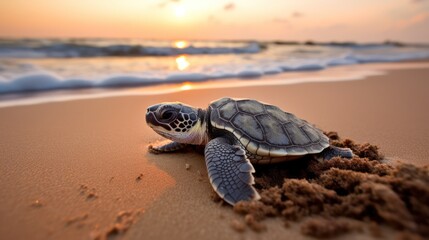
(238, 133)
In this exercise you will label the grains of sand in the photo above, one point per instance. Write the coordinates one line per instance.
(332, 193)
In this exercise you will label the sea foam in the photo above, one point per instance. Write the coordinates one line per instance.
(36, 65)
(73, 50)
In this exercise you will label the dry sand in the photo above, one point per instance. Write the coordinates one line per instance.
(81, 170)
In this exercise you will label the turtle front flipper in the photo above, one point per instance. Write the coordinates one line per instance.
(166, 148)
(230, 171)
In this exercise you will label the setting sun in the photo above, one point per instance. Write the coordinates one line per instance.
(180, 44)
(401, 20)
(179, 11)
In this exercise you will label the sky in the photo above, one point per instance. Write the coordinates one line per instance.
(292, 20)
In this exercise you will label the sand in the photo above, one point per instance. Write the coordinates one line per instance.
(81, 170)
(342, 195)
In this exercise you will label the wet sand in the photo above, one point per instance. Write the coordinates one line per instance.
(81, 170)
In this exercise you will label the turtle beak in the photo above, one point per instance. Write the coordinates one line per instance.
(151, 119)
(150, 114)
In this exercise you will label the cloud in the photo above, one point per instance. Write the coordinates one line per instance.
(414, 29)
(297, 14)
(229, 7)
(414, 20)
(213, 19)
(165, 3)
(280, 20)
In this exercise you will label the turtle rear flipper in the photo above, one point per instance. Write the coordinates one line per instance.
(229, 170)
(333, 151)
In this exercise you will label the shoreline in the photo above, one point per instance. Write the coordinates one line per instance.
(71, 169)
(332, 74)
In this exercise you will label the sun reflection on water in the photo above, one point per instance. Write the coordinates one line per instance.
(182, 62)
(186, 86)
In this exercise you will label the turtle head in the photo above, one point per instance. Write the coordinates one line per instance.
(178, 122)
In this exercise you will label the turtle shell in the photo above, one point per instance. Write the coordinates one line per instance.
(266, 130)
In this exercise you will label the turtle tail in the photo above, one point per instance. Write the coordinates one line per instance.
(333, 151)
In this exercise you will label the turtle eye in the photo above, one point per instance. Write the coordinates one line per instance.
(167, 115)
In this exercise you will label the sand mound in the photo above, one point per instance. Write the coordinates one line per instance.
(330, 196)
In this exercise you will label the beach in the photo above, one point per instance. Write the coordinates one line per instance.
(80, 169)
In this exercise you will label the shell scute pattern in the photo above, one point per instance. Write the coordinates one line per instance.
(274, 130)
(296, 134)
(251, 107)
(278, 114)
(228, 110)
(220, 102)
(299, 122)
(214, 118)
(249, 125)
(278, 151)
(245, 141)
(310, 133)
(266, 130)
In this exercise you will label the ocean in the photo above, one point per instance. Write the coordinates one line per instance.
(47, 64)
